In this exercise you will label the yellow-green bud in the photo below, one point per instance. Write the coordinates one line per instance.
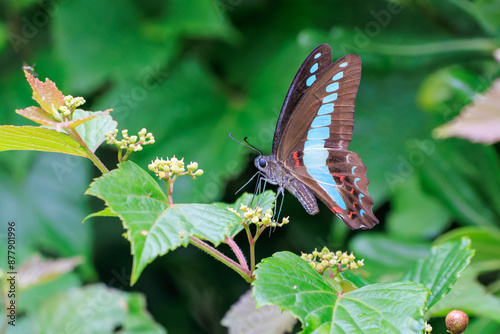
(199, 172)
(192, 166)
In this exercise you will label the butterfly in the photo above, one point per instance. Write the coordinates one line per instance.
(310, 156)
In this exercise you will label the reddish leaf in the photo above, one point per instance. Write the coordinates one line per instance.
(478, 121)
(37, 115)
(41, 117)
(45, 93)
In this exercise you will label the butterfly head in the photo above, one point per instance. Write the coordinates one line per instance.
(270, 169)
(261, 163)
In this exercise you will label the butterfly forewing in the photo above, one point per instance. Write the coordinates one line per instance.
(329, 103)
(318, 61)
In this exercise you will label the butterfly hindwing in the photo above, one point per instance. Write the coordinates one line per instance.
(341, 182)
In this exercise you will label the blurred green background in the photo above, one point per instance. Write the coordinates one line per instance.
(194, 71)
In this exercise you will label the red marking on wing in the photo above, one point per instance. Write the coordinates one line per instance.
(295, 156)
(350, 214)
(352, 191)
(341, 178)
(337, 209)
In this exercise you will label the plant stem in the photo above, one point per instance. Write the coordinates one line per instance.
(98, 163)
(170, 189)
(243, 272)
(251, 243)
(237, 251)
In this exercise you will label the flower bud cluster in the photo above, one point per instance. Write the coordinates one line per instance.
(70, 104)
(130, 143)
(173, 167)
(258, 218)
(325, 259)
(428, 328)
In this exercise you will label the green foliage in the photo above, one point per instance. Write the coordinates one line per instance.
(193, 72)
(441, 269)
(38, 139)
(107, 309)
(153, 227)
(289, 282)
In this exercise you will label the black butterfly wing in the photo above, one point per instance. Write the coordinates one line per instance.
(314, 144)
(315, 64)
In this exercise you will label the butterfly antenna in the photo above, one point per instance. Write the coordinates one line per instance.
(247, 143)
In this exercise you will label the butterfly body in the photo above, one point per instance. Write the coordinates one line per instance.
(310, 156)
(276, 173)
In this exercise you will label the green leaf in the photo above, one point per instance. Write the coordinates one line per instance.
(414, 213)
(466, 177)
(441, 269)
(289, 282)
(471, 296)
(375, 247)
(153, 227)
(106, 212)
(96, 309)
(38, 139)
(197, 19)
(485, 241)
(94, 130)
(103, 55)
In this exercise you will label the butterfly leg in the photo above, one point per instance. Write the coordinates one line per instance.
(256, 174)
(281, 191)
(259, 188)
